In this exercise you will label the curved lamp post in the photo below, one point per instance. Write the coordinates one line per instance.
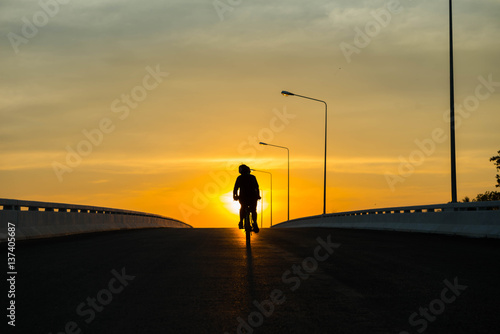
(288, 153)
(285, 93)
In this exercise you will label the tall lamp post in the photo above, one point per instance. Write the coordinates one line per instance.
(271, 175)
(452, 118)
(288, 153)
(285, 93)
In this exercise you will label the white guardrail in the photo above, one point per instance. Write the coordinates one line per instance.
(32, 219)
(474, 219)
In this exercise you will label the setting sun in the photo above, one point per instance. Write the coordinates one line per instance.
(232, 208)
(229, 204)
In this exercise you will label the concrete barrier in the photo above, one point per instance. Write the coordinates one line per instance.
(474, 219)
(42, 219)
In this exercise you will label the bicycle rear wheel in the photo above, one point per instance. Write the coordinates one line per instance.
(248, 226)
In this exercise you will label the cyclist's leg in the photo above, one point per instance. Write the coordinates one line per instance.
(253, 208)
(242, 214)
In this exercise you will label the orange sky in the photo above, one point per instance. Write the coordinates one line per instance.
(152, 106)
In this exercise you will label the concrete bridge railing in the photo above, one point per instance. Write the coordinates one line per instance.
(475, 219)
(42, 219)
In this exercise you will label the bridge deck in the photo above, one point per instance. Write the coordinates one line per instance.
(206, 280)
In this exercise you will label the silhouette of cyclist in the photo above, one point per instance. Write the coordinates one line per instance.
(248, 195)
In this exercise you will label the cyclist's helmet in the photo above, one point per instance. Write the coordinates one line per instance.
(244, 169)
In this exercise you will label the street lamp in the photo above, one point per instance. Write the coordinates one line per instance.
(288, 153)
(286, 93)
(271, 175)
(452, 118)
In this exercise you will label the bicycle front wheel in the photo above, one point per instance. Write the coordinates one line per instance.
(248, 227)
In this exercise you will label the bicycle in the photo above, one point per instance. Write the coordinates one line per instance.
(247, 221)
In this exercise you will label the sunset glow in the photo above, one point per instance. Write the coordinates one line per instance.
(151, 106)
(232, 206)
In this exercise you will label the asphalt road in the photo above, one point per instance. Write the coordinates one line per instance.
(289, 281)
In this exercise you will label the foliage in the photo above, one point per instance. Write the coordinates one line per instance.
(496, 161)
(488, 195)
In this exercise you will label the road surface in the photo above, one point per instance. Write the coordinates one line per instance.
(289, 281)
